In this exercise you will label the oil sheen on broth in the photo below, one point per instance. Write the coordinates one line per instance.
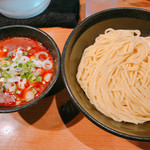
(26, 69)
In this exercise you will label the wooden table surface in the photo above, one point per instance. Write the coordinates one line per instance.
(41, 127)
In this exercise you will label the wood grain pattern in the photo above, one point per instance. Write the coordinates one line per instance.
(41, 126)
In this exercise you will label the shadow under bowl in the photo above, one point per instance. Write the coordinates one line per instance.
(83, 36)
(48, 42)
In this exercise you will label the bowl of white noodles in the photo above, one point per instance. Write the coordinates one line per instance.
(106, 70)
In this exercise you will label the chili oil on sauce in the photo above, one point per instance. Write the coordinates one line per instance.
(26, 69)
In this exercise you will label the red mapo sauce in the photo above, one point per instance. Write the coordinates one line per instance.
(26, 69)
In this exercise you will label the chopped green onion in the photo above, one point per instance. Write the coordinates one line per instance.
(6, 76)
(20, 65)
(26, 70)
(1, 89)
(7, 57)
(28, 48)
(39, 79)
(3, 72)
(14, 54)
(18, 91)
(16, 61)
(6, 64)
(23, 76)
(30, 64)
(25, 53)
(34, 91)
(31, 77)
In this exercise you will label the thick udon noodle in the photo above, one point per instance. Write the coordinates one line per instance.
(114, 73)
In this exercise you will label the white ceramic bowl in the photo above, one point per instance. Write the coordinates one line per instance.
(23, 9)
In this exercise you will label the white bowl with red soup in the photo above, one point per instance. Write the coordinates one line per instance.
(29, 66)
